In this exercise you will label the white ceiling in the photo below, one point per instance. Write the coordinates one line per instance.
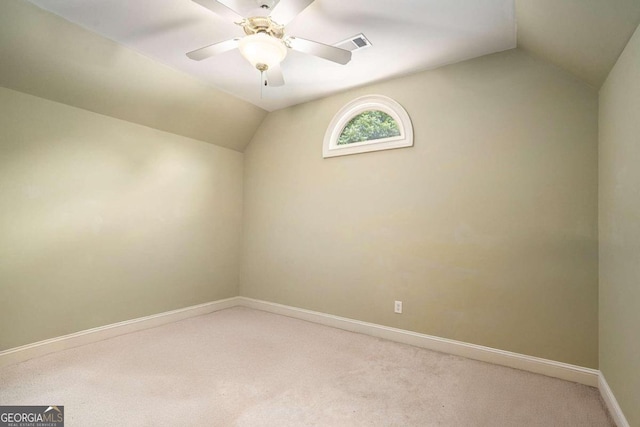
(406, 36)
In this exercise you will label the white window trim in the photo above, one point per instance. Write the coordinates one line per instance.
(330, 147)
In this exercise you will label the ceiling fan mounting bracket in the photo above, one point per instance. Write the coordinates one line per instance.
(262, 24)
(266, 4)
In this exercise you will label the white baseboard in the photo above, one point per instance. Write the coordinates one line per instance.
(611, 402)
(537, 365)
(40, 348)
(565, 371)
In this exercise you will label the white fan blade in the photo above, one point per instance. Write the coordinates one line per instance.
(286, 10)
(213, 49)
(274, 76)
(330, 53)
(221, 9)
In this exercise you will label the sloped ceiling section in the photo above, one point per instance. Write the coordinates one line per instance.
(47, 56)
(584, 37)
(406, 35)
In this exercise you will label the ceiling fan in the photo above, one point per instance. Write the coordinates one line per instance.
(265, 43)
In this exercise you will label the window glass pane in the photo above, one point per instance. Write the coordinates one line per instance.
(368, 126)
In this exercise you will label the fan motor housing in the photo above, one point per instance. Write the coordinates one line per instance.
(262, 24)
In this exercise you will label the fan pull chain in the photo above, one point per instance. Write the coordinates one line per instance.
(263, 82)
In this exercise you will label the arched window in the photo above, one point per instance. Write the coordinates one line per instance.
(367, 126)
(369, 123)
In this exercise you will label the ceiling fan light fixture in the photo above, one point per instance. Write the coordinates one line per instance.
(262, 50)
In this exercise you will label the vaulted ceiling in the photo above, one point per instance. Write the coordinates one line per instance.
(49, 57)
(406, 36)
(127, 59)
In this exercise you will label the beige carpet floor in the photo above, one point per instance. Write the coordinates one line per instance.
(242, 367)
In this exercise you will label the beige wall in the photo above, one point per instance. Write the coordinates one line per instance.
(47, 56)
(102, 220)
(486, 228)
(619, 227)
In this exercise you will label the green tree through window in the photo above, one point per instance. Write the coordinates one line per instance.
(368, 126)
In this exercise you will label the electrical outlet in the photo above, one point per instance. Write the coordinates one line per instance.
(398, 307)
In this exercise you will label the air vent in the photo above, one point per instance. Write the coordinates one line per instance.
(354, 43)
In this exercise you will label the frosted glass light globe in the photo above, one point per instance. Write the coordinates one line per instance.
(262, 49)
